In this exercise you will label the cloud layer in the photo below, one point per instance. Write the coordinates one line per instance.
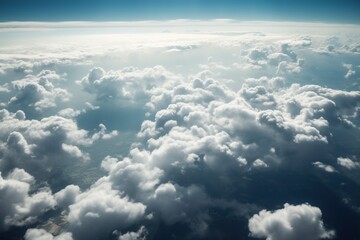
(187, 135)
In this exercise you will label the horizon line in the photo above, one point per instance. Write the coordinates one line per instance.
(174, 22)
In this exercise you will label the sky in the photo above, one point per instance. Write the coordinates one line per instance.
(95, 10)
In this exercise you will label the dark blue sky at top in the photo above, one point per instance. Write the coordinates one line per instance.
(117, 10)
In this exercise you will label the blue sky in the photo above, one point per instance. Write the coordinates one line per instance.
(95, 10)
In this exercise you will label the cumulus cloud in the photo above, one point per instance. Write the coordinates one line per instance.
(348, 163)
(138, 235)
(69, 113)
(175, 203)
(205, 118)
(141, 182)
(259, 163)
(67, 196)
(41, 234)
(326, 168)
(350, 71)
(129, 85)
(19, 206)
(291, 222)
(129, 176)
(101, 210)
(39, 91)
(201, 127)
(39, 145)
(31, 144)
(103, 134)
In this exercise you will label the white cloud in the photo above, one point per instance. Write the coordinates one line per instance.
(69, 113)
(39, 145)
(38, 91)
(21, 175)
(350, 71)
(138, 235)
(326, 168)
(259, 163)
(130, 85)
(178, 204)
(100, 210)
(103, 134)
(131, 177)
(33, 143)
(292, 222)
(19, 207)
(67, 196)
(41, 234)
(347, 163)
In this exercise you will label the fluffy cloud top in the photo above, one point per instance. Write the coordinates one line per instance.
(293, 222)
(348, 163)
(41, 234)
(39, 145)
(18, 206)
(324, 167)
(130, 85)
(138, 235)
(100, 211)
(39, 91)
(67, 196)
(202, 126)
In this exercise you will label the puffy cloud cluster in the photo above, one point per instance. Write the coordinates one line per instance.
(204, 120)
(41, 234)
(130, 194)
(348, 163)
(202, 129)
(326, 168)
(129, 85)
(38, 91)
(67, 196)
(278, 56)
(40, 145)
(291, 223)
(100, 211)
(19, 207)
(27, 60)
(138, 235)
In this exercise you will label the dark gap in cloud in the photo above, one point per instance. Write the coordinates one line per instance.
(14, 233)
(114, 118)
